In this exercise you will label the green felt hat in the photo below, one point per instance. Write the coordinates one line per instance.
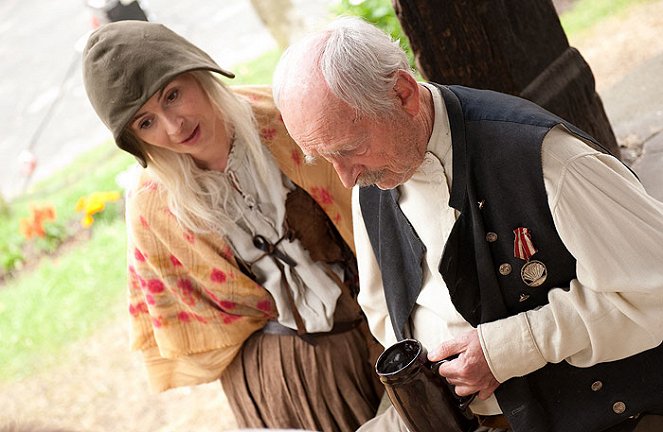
(126, 62)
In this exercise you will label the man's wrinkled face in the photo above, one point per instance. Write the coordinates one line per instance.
(364, 151)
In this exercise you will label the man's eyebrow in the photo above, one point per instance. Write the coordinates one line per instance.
(345, 149)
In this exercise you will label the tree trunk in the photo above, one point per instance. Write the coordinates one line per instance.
(280, 18)
(512, 46)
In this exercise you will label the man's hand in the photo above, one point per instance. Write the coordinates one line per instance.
(469, 372)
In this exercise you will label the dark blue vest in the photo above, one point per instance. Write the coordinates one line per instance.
(497, 186)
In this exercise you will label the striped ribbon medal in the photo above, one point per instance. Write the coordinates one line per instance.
(534, 272)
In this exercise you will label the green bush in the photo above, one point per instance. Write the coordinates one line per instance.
(11, 256)
(381, 14)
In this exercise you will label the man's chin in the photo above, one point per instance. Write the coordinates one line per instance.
(379, 184)
(387, 185)
(370, 179)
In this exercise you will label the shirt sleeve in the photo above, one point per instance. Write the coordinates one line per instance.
(614, 229)
(371, 294)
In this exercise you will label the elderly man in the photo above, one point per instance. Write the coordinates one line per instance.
(487, 227)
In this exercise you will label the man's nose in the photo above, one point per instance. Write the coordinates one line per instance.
(345, 171)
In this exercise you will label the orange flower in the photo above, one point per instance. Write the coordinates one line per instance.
(33, 226)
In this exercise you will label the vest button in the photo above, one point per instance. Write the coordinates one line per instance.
(505, 269)
(491, 237)
(597, 385)
(619, 407)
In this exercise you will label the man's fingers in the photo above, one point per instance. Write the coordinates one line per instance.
(464, 390)
(446, 349)
(452, 369)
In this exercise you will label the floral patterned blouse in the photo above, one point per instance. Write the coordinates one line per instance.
(191, 308)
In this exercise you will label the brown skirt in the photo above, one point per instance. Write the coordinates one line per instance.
(281, 381)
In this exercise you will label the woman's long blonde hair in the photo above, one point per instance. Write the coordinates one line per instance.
(201, 199)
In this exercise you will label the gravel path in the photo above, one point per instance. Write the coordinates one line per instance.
(102, 386)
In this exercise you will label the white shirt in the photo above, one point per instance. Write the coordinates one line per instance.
(606, 220)
(260, 201)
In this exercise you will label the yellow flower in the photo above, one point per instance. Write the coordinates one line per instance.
(93, 204)
(87, 221)
(80, 204)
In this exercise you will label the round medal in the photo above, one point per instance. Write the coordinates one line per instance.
(534, 273)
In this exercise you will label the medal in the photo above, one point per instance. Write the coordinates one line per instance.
(534, 272)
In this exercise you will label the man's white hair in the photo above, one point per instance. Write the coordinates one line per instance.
(358, 61)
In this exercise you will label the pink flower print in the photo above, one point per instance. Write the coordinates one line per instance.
(133, 278)
(322, 196)
(143, 223)
(135, 283)
(212, 296)
(232, 275)
(186, 288)
(218, 276)
(227, 304)
(296, 157)
(132, 310)
(264, 305)
(155, 286)
(188, 316)
(149, 298)
(226, 252)
(139, 255)
(175, 261)
(188, 236)
(157, 322)
(267, 133)
(137, 309)
(151, 185)
(229, 319)
(337, 218)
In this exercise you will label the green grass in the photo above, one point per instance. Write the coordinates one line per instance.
(585, 13)
(63, 300)
(256, 71)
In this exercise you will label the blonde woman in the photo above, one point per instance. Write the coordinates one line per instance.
(240, 259)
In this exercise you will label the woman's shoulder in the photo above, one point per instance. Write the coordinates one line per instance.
(144, 197)
(259, 96)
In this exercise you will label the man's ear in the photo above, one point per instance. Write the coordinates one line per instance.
(407, 92)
